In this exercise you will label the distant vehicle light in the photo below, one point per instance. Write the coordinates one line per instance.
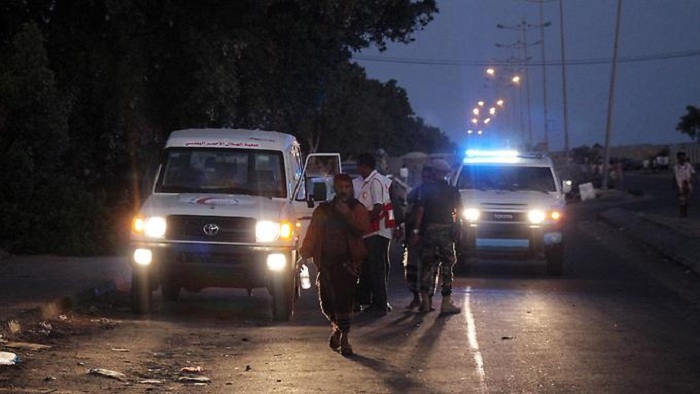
(555, 215)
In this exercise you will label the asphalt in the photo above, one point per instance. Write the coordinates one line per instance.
(38, 288)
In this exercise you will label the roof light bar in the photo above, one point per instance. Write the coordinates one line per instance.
(492, 153)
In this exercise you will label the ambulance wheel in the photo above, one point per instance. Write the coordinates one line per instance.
(141, 293)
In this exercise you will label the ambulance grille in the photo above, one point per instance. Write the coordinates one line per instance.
(210, 229)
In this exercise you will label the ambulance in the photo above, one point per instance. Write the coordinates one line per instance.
(227, 208)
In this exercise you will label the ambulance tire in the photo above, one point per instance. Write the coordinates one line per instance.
(141, 292)
(282, 297)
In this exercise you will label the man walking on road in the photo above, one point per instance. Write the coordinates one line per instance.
(435, 227)
(683, 173)
(334, 240)
(374, 195)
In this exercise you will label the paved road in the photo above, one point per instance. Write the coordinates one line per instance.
(622, 319)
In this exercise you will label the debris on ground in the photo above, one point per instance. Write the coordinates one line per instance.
(8, 358)
(43, 328)
(191, 370)
(26, 346)
(194, 379)
(107, 373)
(152, 381)
(120, 349)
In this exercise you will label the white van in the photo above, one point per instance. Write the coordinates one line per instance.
(514, 206)
(228, 208)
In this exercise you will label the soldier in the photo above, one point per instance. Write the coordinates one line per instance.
(412, 264)
(435, 227)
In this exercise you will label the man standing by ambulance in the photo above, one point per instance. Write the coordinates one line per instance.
(436, 211)
(374, 195)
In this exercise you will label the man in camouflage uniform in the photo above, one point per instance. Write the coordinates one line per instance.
(412, 259)
(437, 209)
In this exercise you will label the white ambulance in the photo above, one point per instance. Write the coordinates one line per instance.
(228, 208)
(514, 206)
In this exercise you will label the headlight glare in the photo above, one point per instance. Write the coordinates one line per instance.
(154, 227)
(536, 216)
(143, 256)
(276, 262)
(471, 214)
(267, 231)
(286, 231)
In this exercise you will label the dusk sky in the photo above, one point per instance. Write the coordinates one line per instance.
(658, 72)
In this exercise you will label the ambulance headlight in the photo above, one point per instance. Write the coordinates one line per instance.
(153, 227)
(269, 231)
(276, 261)
(143, 256)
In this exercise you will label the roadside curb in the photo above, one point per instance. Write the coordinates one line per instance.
(672, 244)
(22, 321)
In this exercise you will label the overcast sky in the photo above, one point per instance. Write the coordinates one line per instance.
(658, 72)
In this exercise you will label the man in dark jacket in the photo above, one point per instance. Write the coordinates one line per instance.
(334, 240)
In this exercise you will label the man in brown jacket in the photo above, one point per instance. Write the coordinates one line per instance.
(334, 240)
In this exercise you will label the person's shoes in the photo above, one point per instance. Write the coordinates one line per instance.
(334, 340)
(389, 308)
(345, 348)
(447, 307)
(375, 310)
(426, 304)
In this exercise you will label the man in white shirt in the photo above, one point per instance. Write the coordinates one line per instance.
(374, 195)
(683, 172)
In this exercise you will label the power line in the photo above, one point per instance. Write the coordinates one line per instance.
(484, 63)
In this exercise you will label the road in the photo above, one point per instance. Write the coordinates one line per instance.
(620, 320)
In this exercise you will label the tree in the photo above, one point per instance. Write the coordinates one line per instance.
(105, 81)
(690, 123)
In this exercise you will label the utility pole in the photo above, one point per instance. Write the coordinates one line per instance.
(544, 76)
(524, 27)
(611, 98)
(563, 80)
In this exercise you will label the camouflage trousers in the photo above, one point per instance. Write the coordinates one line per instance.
(438, 255)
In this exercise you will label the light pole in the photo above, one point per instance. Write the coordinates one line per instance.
(524, 27)
(611, 98)
(542, 25)
(524, 45)
(563, 82)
